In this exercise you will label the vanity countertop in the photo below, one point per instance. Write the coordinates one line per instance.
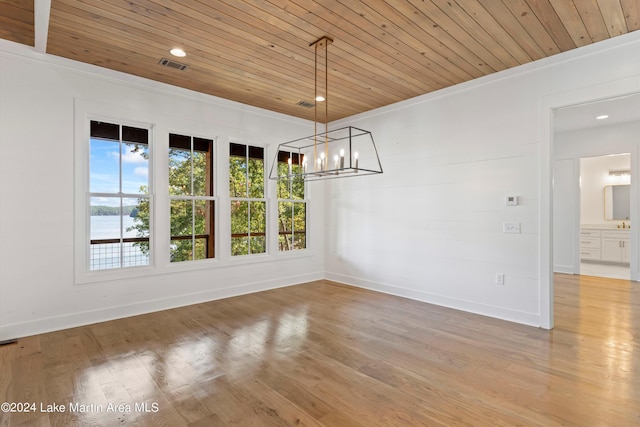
(604, 226)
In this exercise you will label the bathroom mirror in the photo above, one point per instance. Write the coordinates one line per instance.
(617, 202)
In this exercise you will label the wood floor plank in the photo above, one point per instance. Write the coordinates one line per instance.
(327, 354)
(7, 356)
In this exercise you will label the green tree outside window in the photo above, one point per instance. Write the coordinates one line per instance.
(292, 207)
(192, 205)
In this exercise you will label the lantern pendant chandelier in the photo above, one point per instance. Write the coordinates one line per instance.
(327, 154)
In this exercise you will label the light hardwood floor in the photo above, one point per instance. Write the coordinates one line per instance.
(323, 354)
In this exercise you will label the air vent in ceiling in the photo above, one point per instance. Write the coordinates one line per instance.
(173, 64)
(305, 104)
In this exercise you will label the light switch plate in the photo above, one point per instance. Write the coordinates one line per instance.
(512, 200)
(511, 227)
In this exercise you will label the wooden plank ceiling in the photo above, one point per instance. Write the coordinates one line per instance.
(257, 51)
(16, 21)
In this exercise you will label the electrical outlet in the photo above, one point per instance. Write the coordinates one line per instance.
(511, 227)
(499, 278)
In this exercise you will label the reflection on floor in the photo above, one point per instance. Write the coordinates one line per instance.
(605, 270)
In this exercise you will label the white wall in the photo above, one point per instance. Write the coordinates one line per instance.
(430, 227)
(566, 216)
(39, 288)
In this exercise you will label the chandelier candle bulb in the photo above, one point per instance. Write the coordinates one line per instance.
(289, 162)
(355, 158)
(336, 161)
(342, 158)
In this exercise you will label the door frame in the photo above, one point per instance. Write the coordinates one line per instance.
(548, 104)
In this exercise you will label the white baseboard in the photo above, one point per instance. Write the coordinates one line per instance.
(530, 319)
(39, 326)
(565, 269)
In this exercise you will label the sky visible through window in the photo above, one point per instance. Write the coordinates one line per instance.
(106, 170)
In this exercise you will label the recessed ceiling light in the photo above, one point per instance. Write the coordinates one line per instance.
(602, 117)
(319, 98)
(178, 52)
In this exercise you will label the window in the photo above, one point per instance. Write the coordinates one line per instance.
(248, 204)
(118, 196)
(191, 198)
(292, 206)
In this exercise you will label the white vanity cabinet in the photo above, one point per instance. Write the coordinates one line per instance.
(610, 245)
(615, 245)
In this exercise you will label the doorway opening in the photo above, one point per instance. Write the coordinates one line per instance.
(605, 212)
(595, 201)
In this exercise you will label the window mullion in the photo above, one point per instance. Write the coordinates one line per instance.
(193, 229)
(193, 203)
(293, 224)
(290, 182)
(121, 233)
(191, 168)
(246, 173)
(249, 226)
(120, 160)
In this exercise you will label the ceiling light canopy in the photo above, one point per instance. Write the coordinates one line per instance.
(327, 154)
(176, 51)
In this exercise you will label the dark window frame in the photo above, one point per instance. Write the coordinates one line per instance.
(290, 235)
(203, 145)
(122, 134)
(249, 152)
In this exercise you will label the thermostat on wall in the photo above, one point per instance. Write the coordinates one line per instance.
(512, 200)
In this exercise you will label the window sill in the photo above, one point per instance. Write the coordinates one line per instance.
(109, 275)
(269, 257)
(94, 277)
